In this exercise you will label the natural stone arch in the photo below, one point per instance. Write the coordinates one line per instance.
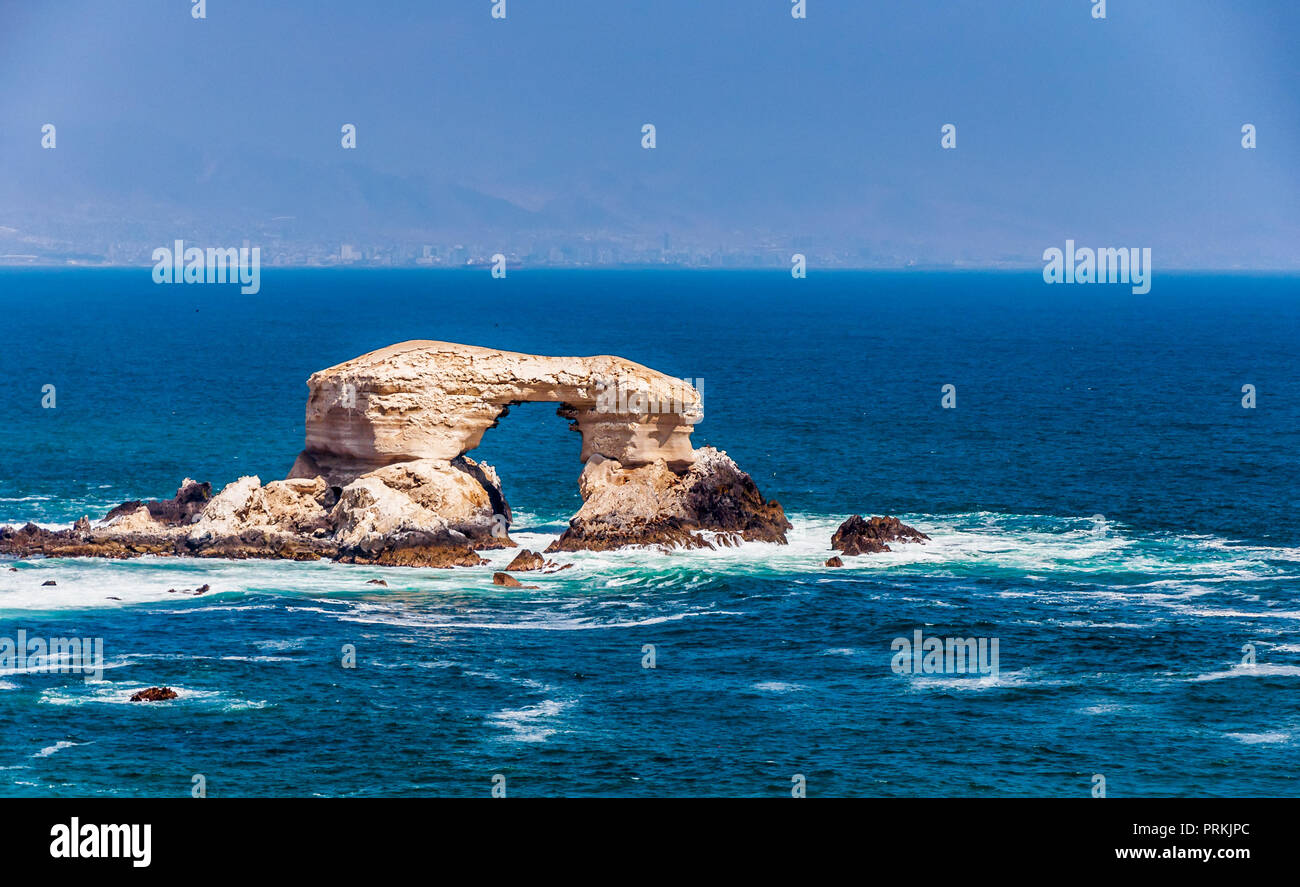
(384, 478)
(435, 400)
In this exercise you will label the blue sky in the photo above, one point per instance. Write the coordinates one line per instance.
(821, 134)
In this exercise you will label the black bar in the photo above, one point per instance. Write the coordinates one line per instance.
(330, 836)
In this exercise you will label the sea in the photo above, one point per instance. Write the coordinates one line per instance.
(1109, 481)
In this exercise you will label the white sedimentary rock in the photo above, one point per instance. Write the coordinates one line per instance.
(132, 523)
(712, 501)
(384, 477)
(281, 509)
(434, 400)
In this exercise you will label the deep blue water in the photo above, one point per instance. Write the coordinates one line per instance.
(1120, 650)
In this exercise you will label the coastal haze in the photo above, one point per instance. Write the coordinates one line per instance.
(928, 322)
(523, 136)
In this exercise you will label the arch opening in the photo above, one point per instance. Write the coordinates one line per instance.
(538, 462)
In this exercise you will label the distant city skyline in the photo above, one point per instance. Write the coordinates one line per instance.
(525, 136)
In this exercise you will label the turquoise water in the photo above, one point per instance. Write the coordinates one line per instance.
(1120, 642)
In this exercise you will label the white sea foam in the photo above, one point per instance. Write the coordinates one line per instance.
(55, 748)
(1004, 680)
(1067, 564)
(1272, 738)
(541, 615)
(1259, 670)
(532, 723)
(108, 693)
(281, 644)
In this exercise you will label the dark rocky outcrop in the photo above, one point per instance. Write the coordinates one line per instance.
(712, 503)
(202, 589)
(861, 536)
(154, 694)
(526, 560)
(508, 581)
(190, 499)
(430, 555)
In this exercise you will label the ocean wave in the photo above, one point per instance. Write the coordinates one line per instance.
(63, 664)
(1056, 559)
(281, 643)
(55, 748)
(532, 723)
(108, 693)
(1004, 680)
(1272, 738)
(1259, 670)
(404, 618)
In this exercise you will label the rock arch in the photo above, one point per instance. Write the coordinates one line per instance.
(435, 400)
(385, 478)
(427, 404)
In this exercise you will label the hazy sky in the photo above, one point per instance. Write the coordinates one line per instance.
(819, 132)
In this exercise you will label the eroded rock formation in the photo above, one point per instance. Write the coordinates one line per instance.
(859, 536)
(712, 503)
(384, 478)
(154, 694)
(525, 561)
(434, 400)
(416, 514)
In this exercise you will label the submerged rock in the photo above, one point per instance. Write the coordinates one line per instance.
(508, 581)
(834, 562)
(202, 589)
(526, 560)
(859, 536)
(154, 694)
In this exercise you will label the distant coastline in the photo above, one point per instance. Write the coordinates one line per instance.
(7, 262)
